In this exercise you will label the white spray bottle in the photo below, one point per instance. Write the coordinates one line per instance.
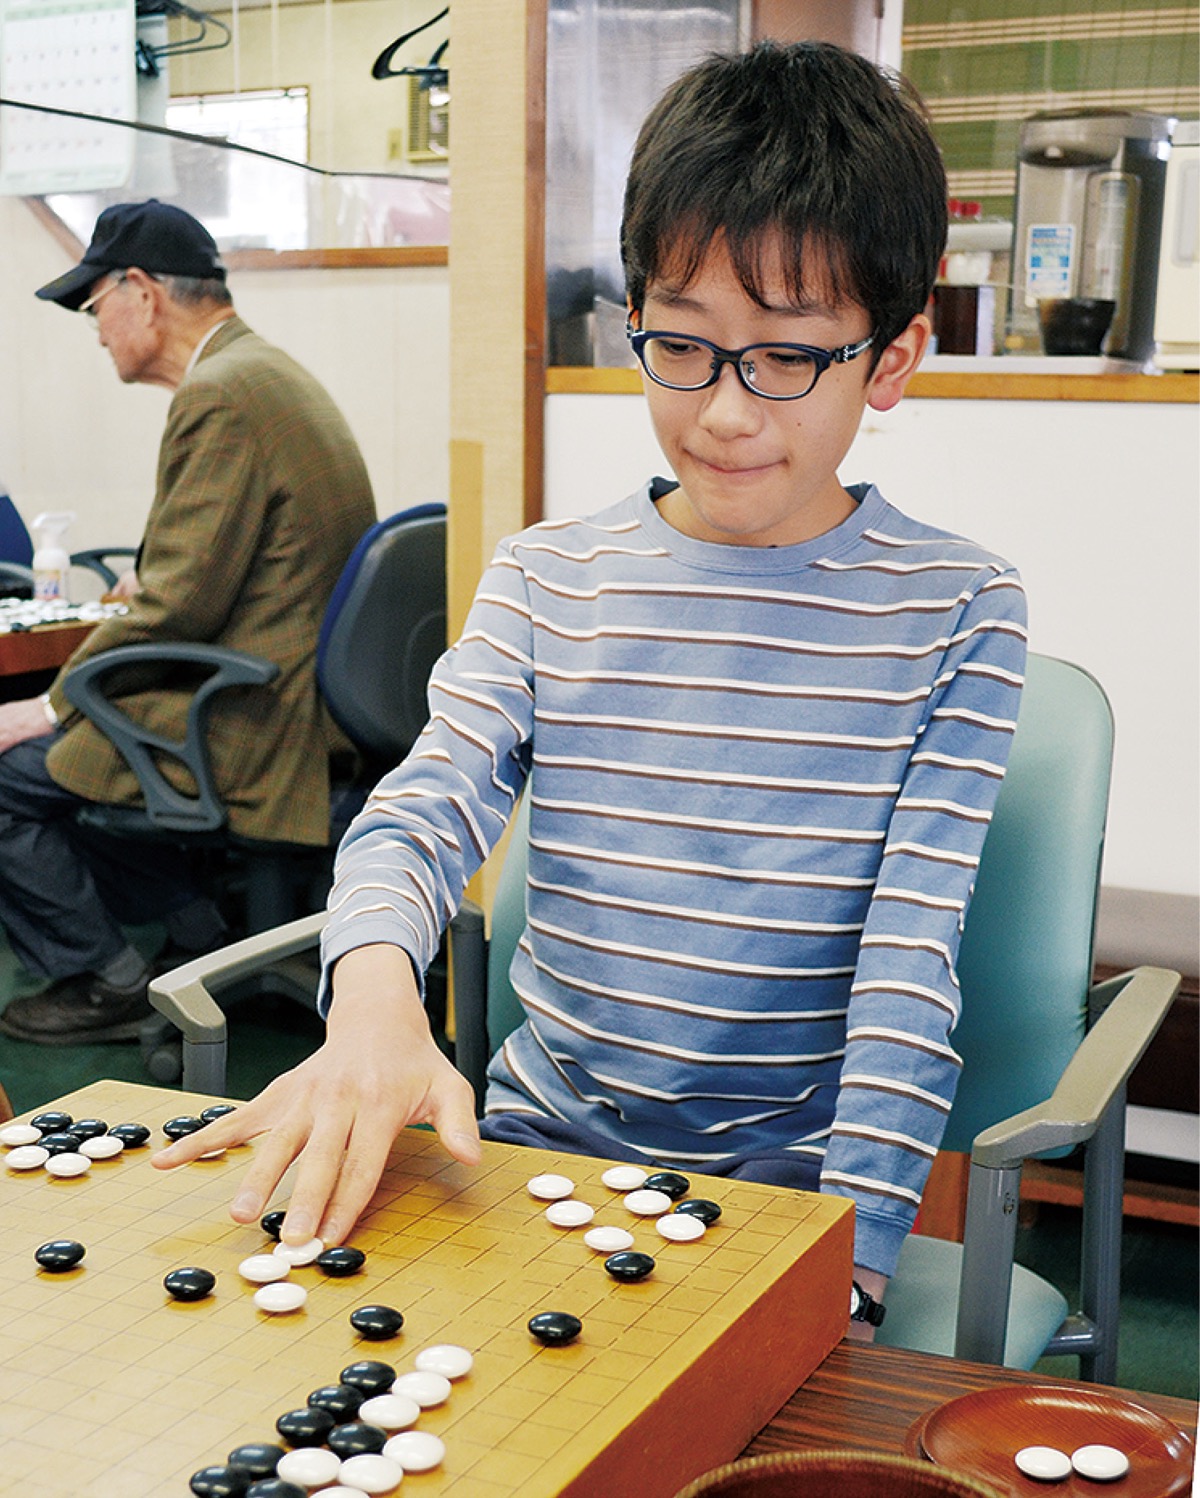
(51, 560)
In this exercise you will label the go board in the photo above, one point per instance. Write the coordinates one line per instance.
(109, 1389)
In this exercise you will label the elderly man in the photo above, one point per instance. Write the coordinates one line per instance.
(261, 495)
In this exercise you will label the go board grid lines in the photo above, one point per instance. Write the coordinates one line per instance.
(148, 1389)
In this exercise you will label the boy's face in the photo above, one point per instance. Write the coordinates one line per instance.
(756, 472)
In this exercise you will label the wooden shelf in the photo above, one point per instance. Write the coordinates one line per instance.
(1157, 1201)
(1164, 389)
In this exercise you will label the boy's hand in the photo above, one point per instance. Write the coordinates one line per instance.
(338, 1112)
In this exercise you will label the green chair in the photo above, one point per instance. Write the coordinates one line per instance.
(1046, 1055)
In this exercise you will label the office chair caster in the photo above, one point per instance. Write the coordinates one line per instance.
(162, 1049)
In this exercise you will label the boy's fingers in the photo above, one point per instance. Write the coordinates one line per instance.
(453, 1116)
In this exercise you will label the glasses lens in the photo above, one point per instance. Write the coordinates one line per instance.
(781, 370)
(677, 362)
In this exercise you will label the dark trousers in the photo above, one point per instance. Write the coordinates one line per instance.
(65, 890)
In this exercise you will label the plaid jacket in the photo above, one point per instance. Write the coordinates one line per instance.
(261, 496)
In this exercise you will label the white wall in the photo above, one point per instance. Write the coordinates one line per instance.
(1098, 506)
(72, 437)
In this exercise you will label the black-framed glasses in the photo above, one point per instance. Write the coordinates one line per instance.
(776, 371)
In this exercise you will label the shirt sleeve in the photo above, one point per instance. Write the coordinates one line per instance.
(430, 823)
(900, 1070)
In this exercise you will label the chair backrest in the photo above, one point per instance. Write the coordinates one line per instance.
(16, 544)
(1025, 963)
(1026, 957)
(383, 631)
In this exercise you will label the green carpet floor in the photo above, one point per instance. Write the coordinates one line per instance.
(1161, 1263)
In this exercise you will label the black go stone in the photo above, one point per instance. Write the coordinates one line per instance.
(131, 1135)
(276, 1487)
(190, 1283)
(180, 1128)
(61, 1143)
(555, 1328)
(356, 1439)
(59, 1255)
(220, 1482)
(88, 1128)
(306, 1427)
(217, 1110)
(369, 1376)
(52, 1123)
(340, 1400)
(669, 1183)
(257, 1458)
(376, 1323)
(272, 1223)
(339, 1262)
(700, 1207)
(629, 1265)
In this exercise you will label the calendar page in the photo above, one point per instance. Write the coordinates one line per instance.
(73, 55)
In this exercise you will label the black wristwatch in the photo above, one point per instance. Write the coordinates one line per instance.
(864, 1307)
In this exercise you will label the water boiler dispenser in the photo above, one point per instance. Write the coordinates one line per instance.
(1088, 221)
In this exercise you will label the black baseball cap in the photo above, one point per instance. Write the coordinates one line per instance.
(156, 237)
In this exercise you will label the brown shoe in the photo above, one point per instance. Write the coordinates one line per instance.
(80, 1010)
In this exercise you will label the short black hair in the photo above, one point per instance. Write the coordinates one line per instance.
(807, 140)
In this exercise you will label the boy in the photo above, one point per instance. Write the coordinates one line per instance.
(768, 717)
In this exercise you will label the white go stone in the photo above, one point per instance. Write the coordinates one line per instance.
(280, 1298)
(389, 1411)
(264, 1269)
(425, 1389)
(551, 1188)
(451, 1362)
(569, 1214)
(309, 1466)
(27, 1157)
(370, 1473)
(1100, 1463)
(70, 1164)
(416, 1450)
(608, 1240)
(338, 1491)
(1043, 1463)
(680, 1228)
(624, 1178)
(299, 1253)
(648, 1203)
(103, 1147)
(14, 1134)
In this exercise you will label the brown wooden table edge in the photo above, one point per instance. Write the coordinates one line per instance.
(867, 1397)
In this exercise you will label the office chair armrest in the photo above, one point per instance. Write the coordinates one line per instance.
(166, 807)
(93, 560)
(1134, 1006)
(468, 966)
(16, 574)
(185, 994)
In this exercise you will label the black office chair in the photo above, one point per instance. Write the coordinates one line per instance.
(96, 559)
(384, 627)
(16, 580)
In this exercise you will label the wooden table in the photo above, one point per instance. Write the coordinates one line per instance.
(42, 649)
(867, 1397)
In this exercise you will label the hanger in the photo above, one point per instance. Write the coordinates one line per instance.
(432, 75)
(148, 56)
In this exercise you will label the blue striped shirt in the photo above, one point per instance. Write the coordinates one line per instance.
(763, 779)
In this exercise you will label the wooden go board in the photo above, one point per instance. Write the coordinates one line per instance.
(110, 1389)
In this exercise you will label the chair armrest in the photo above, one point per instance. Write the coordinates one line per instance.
(468, 969)
(93, 560)
(185, 994)
(1094, 1075)
(166, 807)
(16, 575)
